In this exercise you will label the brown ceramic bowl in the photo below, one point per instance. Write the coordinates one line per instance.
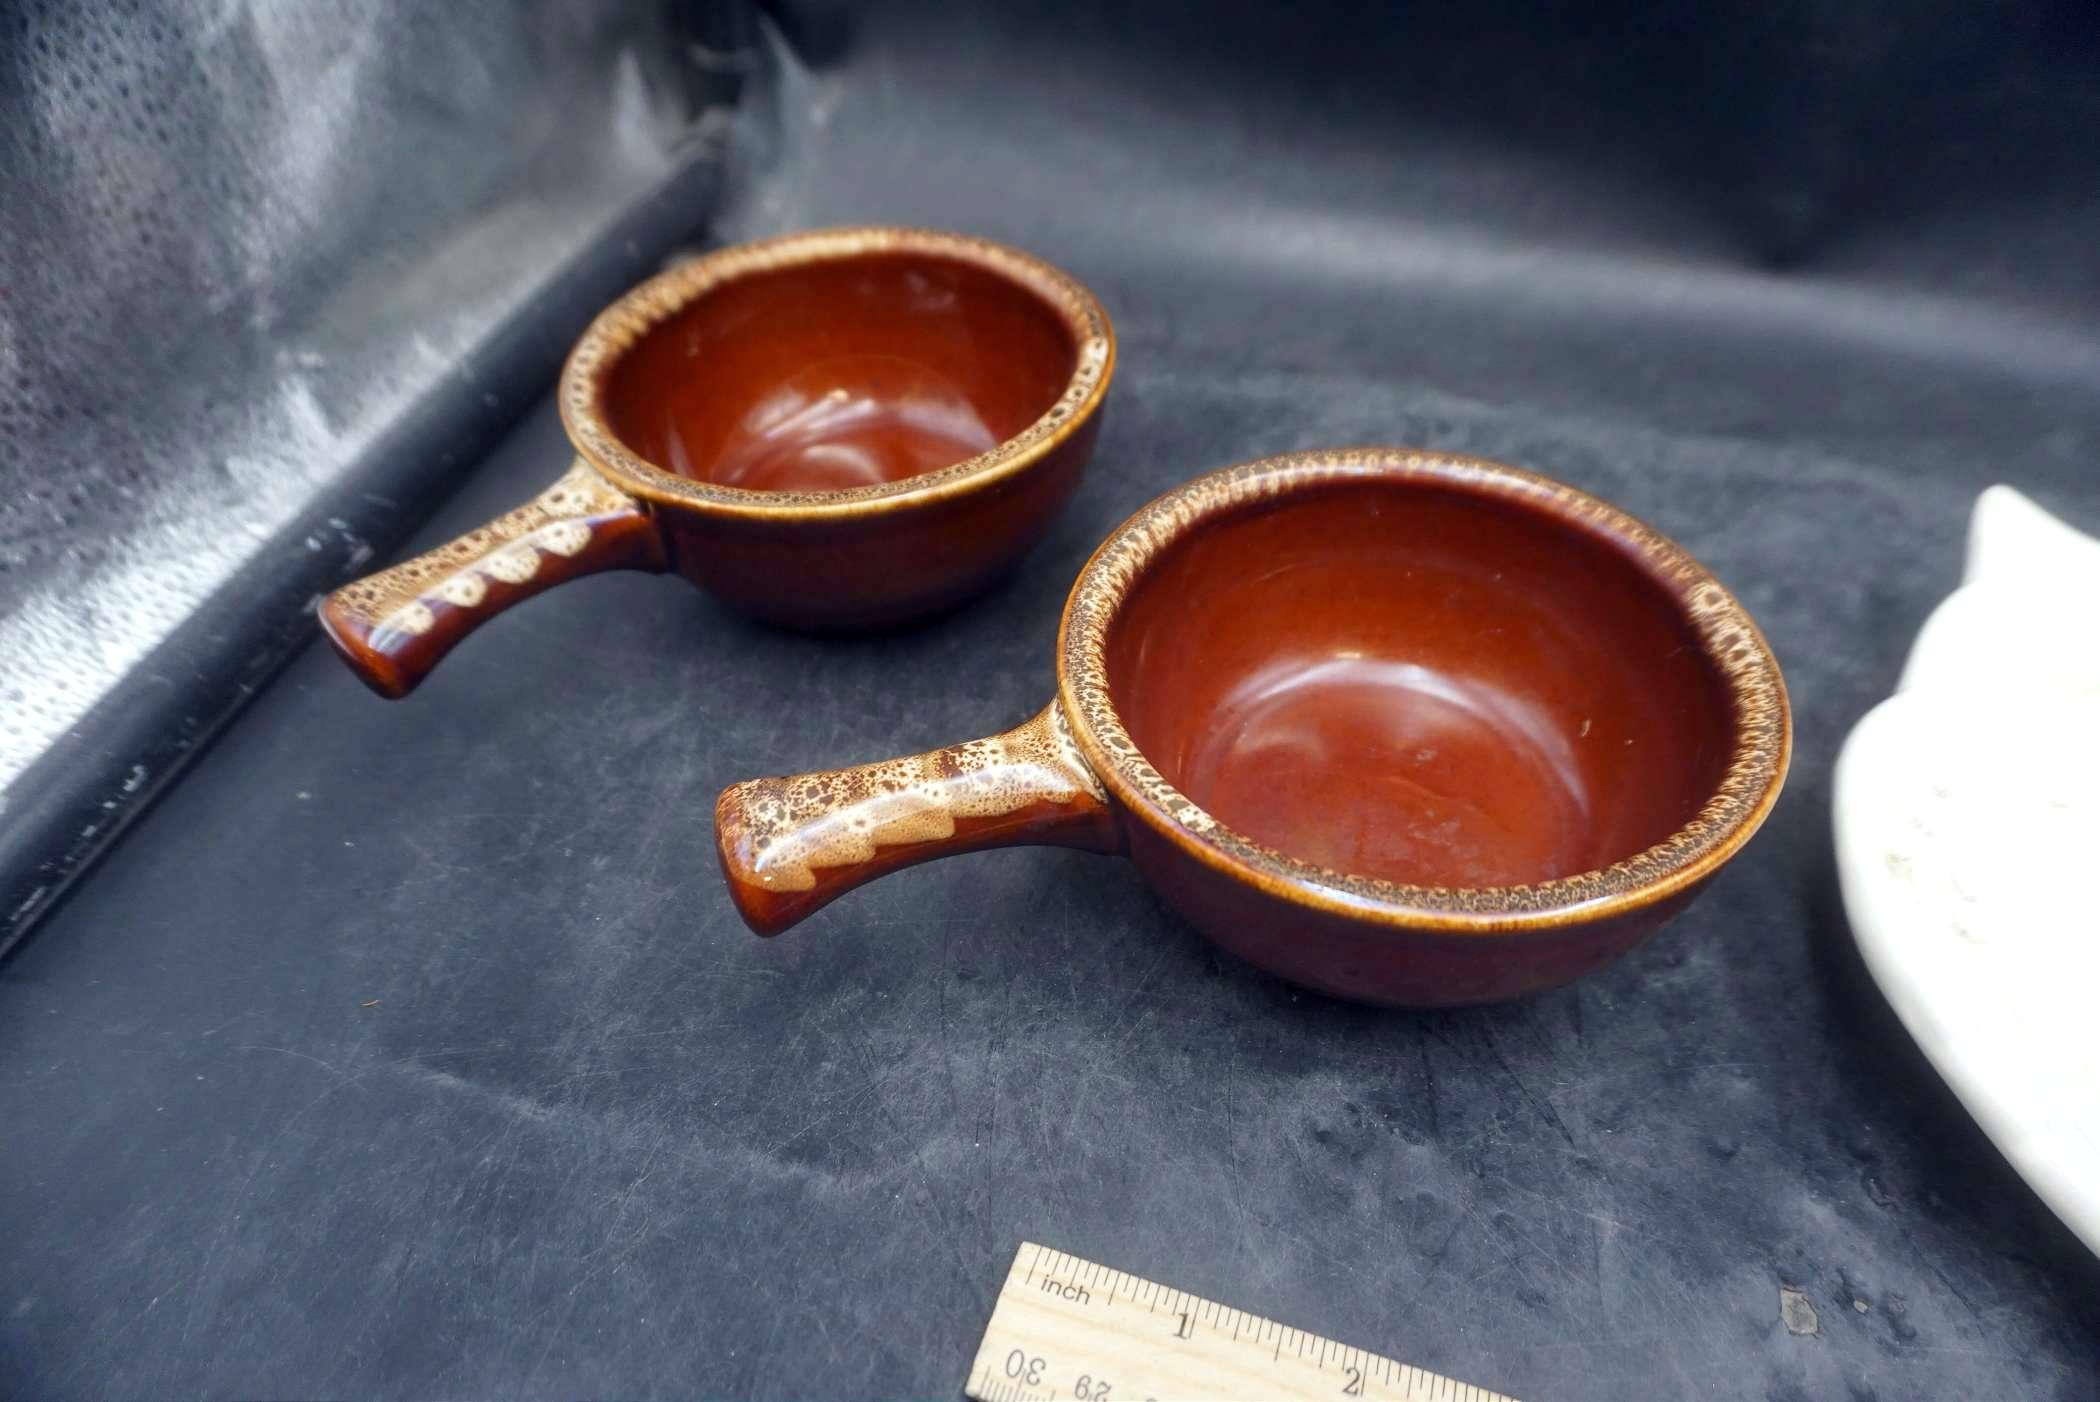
(833, 430)
(1403, 727)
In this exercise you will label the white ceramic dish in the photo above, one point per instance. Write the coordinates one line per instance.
(1967, 815)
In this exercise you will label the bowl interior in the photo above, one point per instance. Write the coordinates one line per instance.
(1409, 681)
(841, 373)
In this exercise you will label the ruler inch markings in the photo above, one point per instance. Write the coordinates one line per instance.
(1055, 1332)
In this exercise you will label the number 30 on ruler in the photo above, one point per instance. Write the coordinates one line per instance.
(1028, 1372)
(1068, 1328)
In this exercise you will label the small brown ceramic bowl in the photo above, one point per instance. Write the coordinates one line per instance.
(1404, 727)
(833, 430)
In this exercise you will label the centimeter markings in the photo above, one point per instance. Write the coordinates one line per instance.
(1064, 1327)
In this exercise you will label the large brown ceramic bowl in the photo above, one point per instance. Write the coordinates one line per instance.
(841, 429)
(1404, 727)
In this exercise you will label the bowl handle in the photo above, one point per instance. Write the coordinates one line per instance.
(790, 846)
(394, 626)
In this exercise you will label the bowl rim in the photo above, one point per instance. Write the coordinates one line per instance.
(1745, 794)
(623, 325)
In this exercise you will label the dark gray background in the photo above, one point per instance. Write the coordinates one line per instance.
(1792, 283)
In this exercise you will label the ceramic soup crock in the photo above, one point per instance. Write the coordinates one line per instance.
(1403, 727)
(834, 430)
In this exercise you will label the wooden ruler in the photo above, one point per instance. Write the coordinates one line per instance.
(1068, 1328)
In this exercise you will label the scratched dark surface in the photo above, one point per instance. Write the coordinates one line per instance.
(413, 1050)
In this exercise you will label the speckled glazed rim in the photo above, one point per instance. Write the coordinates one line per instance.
(623, 325)
(1749, 787)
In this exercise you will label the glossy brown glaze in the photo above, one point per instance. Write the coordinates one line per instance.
(842, 429)
(394, 626)
(1425, 686)
(1403, 727)
(837, 375)
(876, 568)
(791, 845)
(1367, 961)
